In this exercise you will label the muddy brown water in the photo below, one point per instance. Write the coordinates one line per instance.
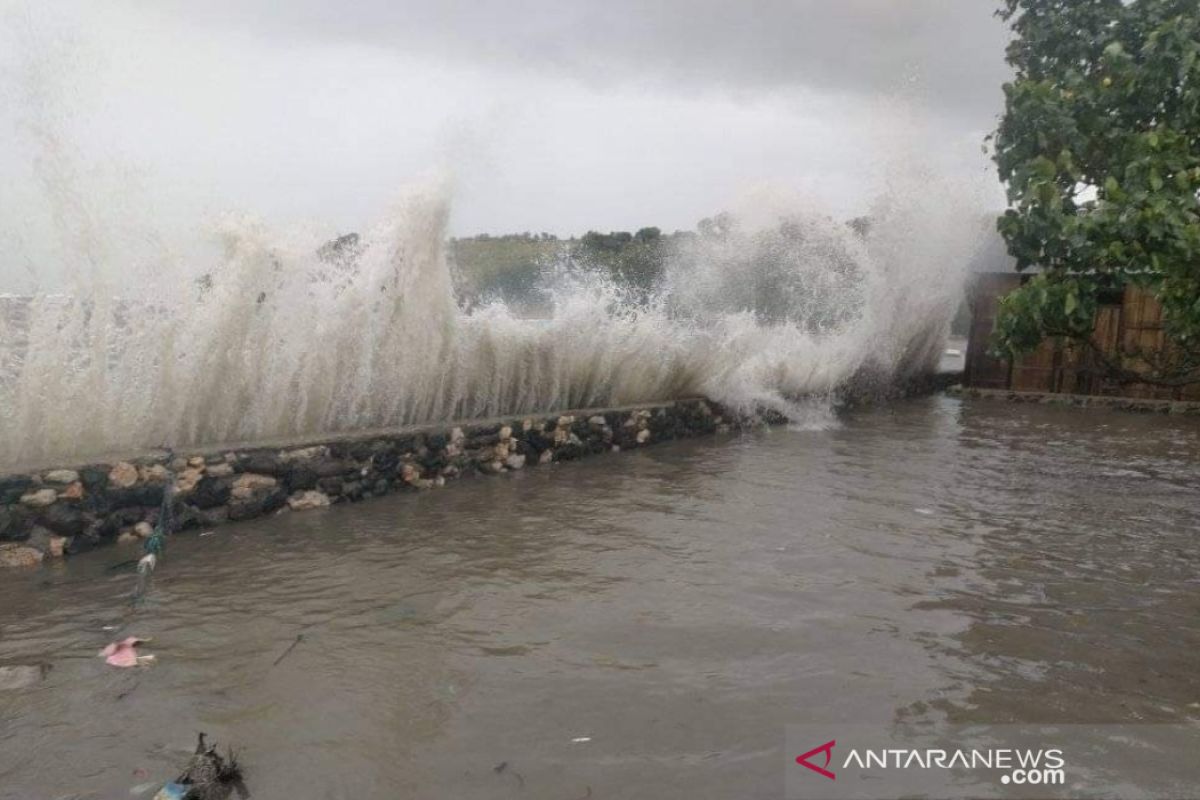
(642, 625)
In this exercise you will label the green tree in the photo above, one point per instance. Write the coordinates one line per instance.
(1099, 148)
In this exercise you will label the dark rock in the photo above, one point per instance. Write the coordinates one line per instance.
(81, 543)
(12, 487)
(302, 477)
(211, 492)
(433, 460)
(261, 502)
(331, 467)
(481, 441)
(382, 487)
(352, 490)
(108, 527)
(15, 523)
(64, 519)
(437, 441)
(569, 451)
(263, 462)
(331, 486)
(386, 462)
(94, 478)
(538, 441)
(142, 495)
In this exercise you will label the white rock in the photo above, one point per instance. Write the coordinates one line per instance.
(63, 476)
(546, 457)
(505, 433)
(457, 435)
(219, 470)
(128, 537)
(155, 473)
(39, 499)
(304, 453)
(598, 421)
(56, 546)
(303, 501)
(188, 479)
(196, 462)
(515, 461)
(123, 475)
(643, 436)
(252, 481)
(18, 555)
(144, 529)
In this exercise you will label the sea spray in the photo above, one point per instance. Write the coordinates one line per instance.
(270, 341)
(139, 331)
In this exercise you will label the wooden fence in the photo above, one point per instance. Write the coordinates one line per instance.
(1130, 325)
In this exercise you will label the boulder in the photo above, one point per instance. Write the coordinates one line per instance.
(40, 498)
(304, 454)
(211, 492)
(15, 522)
(13, 487)
(188, 478)
(19, 555)
(303, 501)
(302, 477)
(72, 492)
(252, 482)
(66, 519)
(257, 503)
(154, 473)
(123, 475)
(141, 495)
(61, 476)
(262, 462)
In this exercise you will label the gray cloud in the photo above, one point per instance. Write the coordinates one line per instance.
(952, 48)
(557, 116)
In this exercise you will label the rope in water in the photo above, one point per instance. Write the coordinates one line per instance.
(156, 542)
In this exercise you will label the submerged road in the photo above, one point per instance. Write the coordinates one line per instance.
(641, 625)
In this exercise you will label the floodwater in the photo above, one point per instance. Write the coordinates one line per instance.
(641, 625)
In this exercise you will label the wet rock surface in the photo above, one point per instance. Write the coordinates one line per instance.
(74, 509)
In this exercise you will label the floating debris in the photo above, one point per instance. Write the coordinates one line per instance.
(22, 676)
(124, 653)
(207, 776)
(291, 647)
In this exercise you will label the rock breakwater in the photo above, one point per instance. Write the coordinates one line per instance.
(49, 513)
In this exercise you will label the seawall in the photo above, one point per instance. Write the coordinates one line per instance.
(48, 513)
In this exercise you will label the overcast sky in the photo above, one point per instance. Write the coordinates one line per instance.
(560, 115)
